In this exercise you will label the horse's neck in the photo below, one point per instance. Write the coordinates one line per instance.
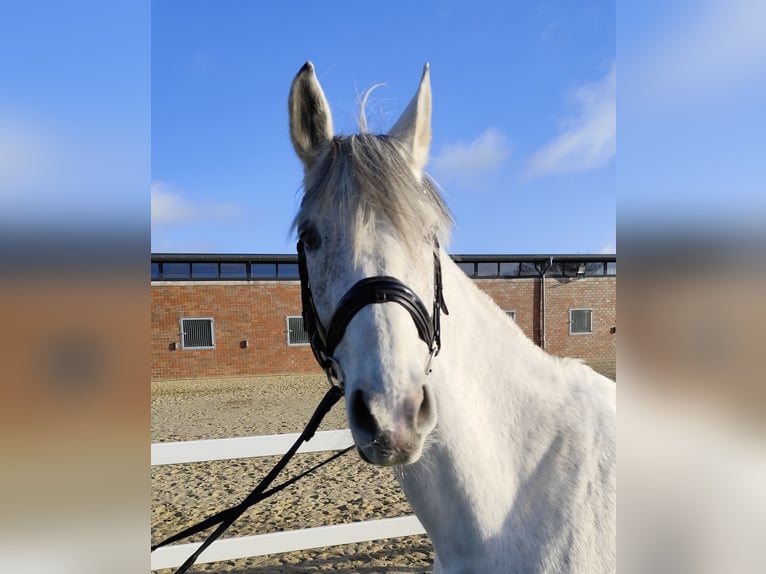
(485, 389)
(499, 406)
(491, 369)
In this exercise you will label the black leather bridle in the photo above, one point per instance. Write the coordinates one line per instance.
(369, 291)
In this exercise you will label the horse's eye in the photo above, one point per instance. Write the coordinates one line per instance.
(310, 236)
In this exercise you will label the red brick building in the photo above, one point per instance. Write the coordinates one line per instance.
(239, 315)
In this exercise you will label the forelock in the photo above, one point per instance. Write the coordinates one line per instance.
(362, 180)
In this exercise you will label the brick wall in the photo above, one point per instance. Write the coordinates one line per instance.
(255, 311)
(519, 295)
(252, 311)
(598, 348)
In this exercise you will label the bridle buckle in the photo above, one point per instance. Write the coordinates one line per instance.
(431, 355)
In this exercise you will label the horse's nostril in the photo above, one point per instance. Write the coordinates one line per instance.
(360, 412)
(425, 414)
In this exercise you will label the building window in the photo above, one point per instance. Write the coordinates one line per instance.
(580, 321)
(204, 270)
(486, 269)
(176, 271)
(594, 268)
(611, 267)
(263, 270)
(233, 271)
(467, 267)
(287, 271)
(296, 334)
(509, 269)
(574, 269)
(197, 333)
(512, 315)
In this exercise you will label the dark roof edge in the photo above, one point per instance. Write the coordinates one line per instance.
(291, 258)
(480, 257)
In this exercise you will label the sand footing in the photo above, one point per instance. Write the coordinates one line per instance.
(346, 490)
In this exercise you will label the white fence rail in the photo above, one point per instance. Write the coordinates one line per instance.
(245, 447)
(275, 542)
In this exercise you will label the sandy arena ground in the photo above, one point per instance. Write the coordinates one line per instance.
(346, 490)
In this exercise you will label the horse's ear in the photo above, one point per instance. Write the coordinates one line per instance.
(310, 118)
(413, 128)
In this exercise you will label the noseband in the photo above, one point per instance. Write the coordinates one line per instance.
(369, 291)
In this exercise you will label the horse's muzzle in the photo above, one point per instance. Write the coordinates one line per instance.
(391, 436)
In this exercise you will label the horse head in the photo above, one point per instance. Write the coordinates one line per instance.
(369, 224)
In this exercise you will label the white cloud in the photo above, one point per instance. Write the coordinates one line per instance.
(717, 48)
(170, 206)
(464, 162)
(28, 152)
(589, 138)
(608, 249)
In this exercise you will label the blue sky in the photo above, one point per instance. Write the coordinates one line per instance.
(91, 92)
(523, 123)
(691, 116)
(74, 115)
